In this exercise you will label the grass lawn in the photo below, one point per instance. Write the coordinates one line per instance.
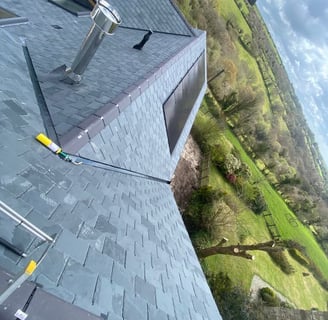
(282, 214)
(228, 9)
(304, 292)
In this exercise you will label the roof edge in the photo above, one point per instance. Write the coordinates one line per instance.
(80, 135)
(174, 5)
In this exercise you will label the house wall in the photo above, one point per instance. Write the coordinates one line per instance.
(137, 138)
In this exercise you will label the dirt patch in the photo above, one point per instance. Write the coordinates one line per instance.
(187, 174)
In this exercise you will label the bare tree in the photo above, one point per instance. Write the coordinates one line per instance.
(239, 250)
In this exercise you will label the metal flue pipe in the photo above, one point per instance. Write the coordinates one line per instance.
(105, 20)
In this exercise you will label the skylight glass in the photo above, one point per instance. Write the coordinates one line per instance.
(7, 17)
(78, 7)
(182, 100)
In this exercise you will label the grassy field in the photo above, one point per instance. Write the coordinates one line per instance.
(228, 10)
(282, 214)
(303, 292)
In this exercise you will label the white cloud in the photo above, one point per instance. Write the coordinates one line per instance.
(300, 31)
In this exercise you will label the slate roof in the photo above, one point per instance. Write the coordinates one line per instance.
(122, 250)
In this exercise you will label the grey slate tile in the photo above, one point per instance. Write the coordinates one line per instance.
(40, 201)
(114, 250)
(134, 307)
(165, 302)
(79, 280)
(72, 246)
(104, 226)
(16, 185)
(156, 314)
(59, 177)
(122, 278)
(53, 265)
(135, 265)
(145, 290)
(181, 312)
(109, 296)
(32, 175)
(84, 303)
(83, 211)
(20, 206)
(52, 288)
(99, 263)
(199, 306)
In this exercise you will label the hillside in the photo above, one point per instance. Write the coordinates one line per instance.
(262, 175)
(248, 79)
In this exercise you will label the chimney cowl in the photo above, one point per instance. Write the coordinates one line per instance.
(105, 20)
(105, 17)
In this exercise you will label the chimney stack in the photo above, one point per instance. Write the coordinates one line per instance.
(105, 20)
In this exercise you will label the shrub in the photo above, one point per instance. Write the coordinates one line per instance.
(280, 259)
(200, 240)
(297, 255)
(253, 196)
(269, 297)
(233, 301)
(199, 213)
(258, 204)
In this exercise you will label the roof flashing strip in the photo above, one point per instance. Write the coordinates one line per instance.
(7, 18)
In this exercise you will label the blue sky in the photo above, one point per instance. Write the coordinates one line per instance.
(300, 31)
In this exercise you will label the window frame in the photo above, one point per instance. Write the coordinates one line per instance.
(82, 13)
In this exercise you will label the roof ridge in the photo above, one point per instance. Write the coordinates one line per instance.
(80, 135)
(174, 5)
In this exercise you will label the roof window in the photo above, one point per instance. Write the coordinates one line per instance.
(180, 103)
(79, 8)
(7, 17)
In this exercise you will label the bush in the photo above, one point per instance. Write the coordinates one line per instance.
(253, 196)
(232, 301)
(199, 213)
(280, 259)
(258, 204)
(200, 240)
(269, 297)
(297, 255)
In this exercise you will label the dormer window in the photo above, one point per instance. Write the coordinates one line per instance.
(79, 8)
(7, 17)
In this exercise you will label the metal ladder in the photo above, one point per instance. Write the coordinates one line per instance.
(32, 265)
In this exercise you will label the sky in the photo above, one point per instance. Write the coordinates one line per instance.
(299, 29)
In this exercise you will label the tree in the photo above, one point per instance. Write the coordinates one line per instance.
(238, 250)
(233, 301)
